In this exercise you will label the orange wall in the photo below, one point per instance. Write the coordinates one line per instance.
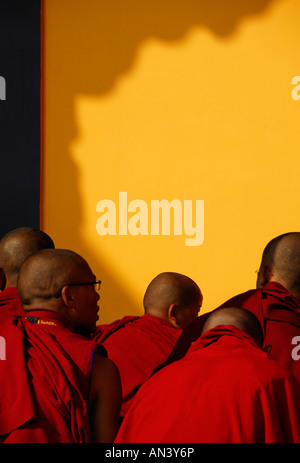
(187, 101)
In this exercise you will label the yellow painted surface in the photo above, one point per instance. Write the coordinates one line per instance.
(171, 100)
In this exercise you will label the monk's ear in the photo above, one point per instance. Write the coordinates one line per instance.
(67, 297)
(173, 315)
(2, 280)
(264, 276)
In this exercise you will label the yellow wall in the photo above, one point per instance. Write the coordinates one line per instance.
(190, 100)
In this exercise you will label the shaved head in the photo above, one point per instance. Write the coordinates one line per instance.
(235, 316)
(281, 257)
(43, 274)
(173, 289)
(16, 246)
(168, 288)
(61, 281)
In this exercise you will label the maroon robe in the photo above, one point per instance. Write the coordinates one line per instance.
(279, 314)
(10, 304)
(45, 381)
(225, 390)
(136, 345)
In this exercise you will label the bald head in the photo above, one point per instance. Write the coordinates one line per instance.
(44, 273)
(15, 247)
(170, 290)
(235, 316)
(60, 281)
(281, 262)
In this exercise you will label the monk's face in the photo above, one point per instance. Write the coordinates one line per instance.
(85, 313)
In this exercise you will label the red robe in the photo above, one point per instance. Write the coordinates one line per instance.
(136, 345)
(225, 390)
(279, 314)
(45, 381)
(10, 304)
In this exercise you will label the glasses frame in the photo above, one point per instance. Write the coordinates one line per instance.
(97, 287)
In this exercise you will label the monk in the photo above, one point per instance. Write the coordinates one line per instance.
(275, 302)
(225, 390)
(138, 344)
(15, 247)
(57, 386)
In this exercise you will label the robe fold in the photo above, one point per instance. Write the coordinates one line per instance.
(104, 331)
(45, 381)
(225, 390)
(10, 304)
(136, 345)
(279, 314)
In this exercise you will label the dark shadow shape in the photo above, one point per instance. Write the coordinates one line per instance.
(107, 36)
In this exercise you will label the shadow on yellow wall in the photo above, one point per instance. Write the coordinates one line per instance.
(89, 46)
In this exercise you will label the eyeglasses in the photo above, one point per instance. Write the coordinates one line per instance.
(96, 283)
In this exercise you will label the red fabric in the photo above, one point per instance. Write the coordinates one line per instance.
(45, 381)
(225, 390)
(137, 346)
(104, 331)
(190, 334)
(10, 304)
(17, 404)
(279, 314)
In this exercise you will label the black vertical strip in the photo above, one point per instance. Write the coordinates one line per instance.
(19, 114)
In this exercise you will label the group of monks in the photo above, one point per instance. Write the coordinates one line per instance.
(169, 376)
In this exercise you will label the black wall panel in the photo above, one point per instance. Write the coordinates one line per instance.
(20, 62)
